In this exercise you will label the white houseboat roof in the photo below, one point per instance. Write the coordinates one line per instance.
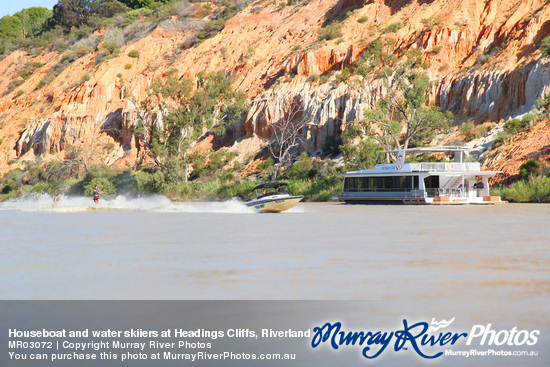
(451, 168)
(440, 149)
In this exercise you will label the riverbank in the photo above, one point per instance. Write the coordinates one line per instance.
(317, 182)
(315, 186)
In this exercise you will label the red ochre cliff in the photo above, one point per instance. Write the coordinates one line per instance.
(271, 52)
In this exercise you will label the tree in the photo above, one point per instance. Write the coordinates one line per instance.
(76, 13)
(137, 4)
(361, 155)
(70, 13)
(185, 111)
(32, 19)
(402, 115)
(10, 28)
(108, 8)
(84, 149)
(287, 137)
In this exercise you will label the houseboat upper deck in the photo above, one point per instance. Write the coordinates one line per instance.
(453, 182)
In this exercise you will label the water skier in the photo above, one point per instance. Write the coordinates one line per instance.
(97, 191)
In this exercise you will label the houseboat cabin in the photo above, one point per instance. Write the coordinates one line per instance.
(453, 182)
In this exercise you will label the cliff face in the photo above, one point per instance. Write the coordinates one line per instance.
(483, 57)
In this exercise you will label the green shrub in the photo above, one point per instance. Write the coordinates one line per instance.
(529, 169)
(467, 129)
(110, 47)
(324, 79)
(430, 23)
(512, 126)
(501, 138)
(133, 53)
(85, 78)
(332, 145)
(535, 190)
(109, 146)
(483, 58)
(267, 164)
(302, 169)
(516, 125)
(330, 32)
(545, 46)
(480, 131)
(363, 19)
(144, 182)
(82, 51)
(394, 27)
(211, 28)
(34, 64)
(128, 66)
(170, 72)
(343, 76)
(313, 77)
(528, 118)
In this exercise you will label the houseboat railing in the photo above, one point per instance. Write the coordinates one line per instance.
(446, 167)
(447, 192)
(438, 167)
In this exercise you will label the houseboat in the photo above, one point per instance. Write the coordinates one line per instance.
(452, 182)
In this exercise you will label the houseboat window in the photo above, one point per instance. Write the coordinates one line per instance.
(350, 184)
(431, 182)
(372, 183)
(380, 183)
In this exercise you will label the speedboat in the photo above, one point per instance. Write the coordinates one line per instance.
(272, 198)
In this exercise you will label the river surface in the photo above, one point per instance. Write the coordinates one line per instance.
(156, 249)
(481, 263)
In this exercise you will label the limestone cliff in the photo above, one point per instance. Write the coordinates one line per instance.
(484, 59)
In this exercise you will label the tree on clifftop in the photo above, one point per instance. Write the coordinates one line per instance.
(76, 13)
(136, 4)
(10, 28)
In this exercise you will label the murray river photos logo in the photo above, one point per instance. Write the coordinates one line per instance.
(425, 339)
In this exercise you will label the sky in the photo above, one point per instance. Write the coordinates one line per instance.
(10, 7)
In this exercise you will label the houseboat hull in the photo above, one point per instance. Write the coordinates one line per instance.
(423, 201)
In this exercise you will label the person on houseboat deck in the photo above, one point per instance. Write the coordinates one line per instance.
(281, 191)
(262, 193)
(97, 191)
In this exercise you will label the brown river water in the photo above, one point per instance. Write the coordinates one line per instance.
(478, 263)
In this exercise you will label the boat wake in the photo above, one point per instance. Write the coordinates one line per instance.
(229, 206)
(152, 203)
